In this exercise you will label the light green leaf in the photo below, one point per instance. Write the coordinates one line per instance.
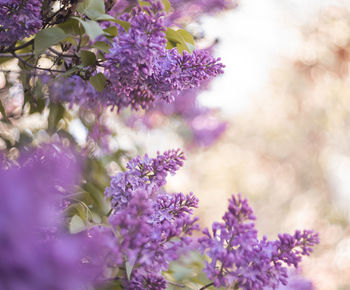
(92, 8)
(129, 266)
(71, 40)
(167, 5)
(186, 36)
(98, 81)
(181, 39)
(144, 3)
(96, 218)
(124, 24)
(174, 36)
(76, 224)
(101, 45)
(48, 37)
(180, 47)
(112, 30)
(71, 26)
(87, 58)
(92, 28)
(55, 115)
(105, 17)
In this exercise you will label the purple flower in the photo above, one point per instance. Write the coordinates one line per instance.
(196, 8)
(139, 68)
(240, 259)
(148, 282)
(18, 19)
(148, 174)
(201, 127)
(147, 240)
(73, 90)
(152, 227)
(296, 281)
(30, 257)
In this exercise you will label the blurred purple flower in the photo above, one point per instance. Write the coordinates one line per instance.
(30, 257)
(296, 281)
(193, 9)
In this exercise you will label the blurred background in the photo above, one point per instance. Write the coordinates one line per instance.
(285, 95)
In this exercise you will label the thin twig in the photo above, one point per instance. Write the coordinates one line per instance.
(176, 284)
(61, 53)
(10, 55)
(19, 47)
(207, 286)
(36, 67)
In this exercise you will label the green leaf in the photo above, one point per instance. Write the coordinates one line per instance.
(98, 81)
(174, 36)
(129, 266)
(186, 36)
(71, 26)
(48, 37)
(91, 27)
(101, 45)
(92, 8)
(71, 40)
(96, 218)
(144, 3)
(181, 39)
(105, 17)
(167, 5)
(5, 59)
(124, 24)
(55, 115)
(76, 224)
(87, 58)
(180, 47)
(100, 56)
(112, 30)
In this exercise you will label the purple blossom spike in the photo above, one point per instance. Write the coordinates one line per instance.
(144, 173)
(148, 282)
(240, 260)
(148, 241)
(140, 70)
(153, 227)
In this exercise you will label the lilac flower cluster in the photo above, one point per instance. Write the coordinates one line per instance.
(30, 258)
(139, 68)
(240, 259)
(147, 229)
(148, 174)
(153, 227)
(148, 282)
(142, 71)
(18, 19)
(73, 90)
